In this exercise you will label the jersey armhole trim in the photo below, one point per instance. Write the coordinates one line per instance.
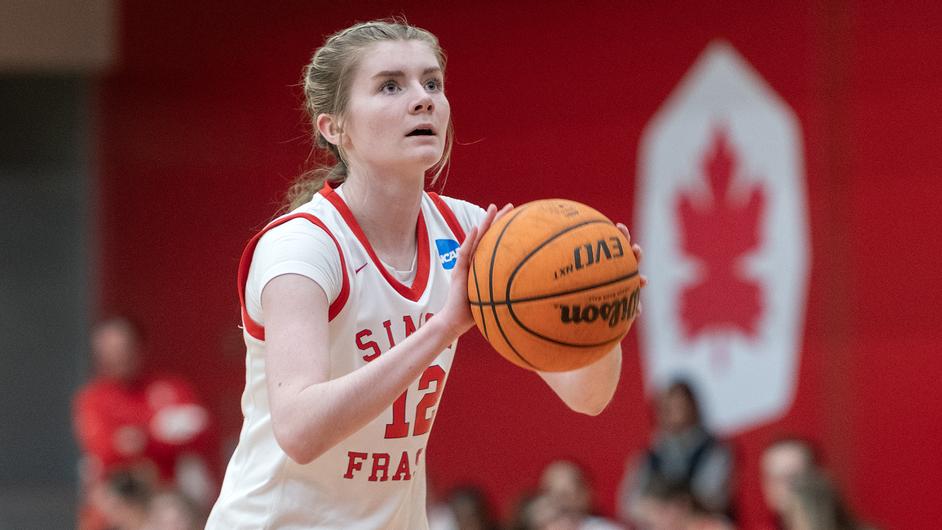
(449, 216)
(255, 329)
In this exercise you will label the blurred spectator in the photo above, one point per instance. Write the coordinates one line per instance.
(815, 504)
(783, 462)
(123, 500)
(543, 513)
(127, 500)
(683, 454)
(537, 511)
(670, 506)
(440, 515)
(471, 509)
(171, 510)
(521, 517)
(125, 419)
(566, 500)
(467, 509)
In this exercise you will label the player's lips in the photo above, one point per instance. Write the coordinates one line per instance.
(423, 129)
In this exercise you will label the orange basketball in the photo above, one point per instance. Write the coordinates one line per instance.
(553, 285)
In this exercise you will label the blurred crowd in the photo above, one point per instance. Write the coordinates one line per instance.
(150, 462)
(682, 481)
(149, 454)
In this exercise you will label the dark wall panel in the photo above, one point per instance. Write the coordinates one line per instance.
(43, 291)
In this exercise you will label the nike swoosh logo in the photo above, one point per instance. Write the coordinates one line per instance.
(361, 268)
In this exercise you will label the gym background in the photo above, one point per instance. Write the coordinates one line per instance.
(142, 143)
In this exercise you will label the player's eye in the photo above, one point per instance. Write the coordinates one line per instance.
(433, 84)
(389, 87)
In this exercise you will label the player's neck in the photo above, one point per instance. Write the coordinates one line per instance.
(387, 207)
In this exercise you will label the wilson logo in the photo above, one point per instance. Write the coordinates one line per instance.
(589, 254)
(625, 308)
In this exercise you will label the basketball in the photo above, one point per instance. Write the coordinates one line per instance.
(553, 285)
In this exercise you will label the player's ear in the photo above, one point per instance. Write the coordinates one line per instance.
(329, 127)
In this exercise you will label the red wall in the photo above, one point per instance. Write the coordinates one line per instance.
(201, 132)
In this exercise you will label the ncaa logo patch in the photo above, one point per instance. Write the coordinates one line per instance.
(723, 219)
(447, 252)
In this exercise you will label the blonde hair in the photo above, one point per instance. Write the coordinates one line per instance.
(326, 82)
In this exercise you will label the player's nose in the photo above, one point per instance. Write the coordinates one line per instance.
(422, 103)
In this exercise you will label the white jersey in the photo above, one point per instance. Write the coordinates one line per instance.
(376, 477)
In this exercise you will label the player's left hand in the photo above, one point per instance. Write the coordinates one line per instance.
(636, 250)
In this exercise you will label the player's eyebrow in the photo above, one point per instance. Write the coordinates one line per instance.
(400, 73)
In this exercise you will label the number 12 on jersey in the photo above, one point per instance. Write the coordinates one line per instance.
(399, 428)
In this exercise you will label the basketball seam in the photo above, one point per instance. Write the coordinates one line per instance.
(563, 343)
(477, 288)
(490, 285)
(571, 344)
(509, 302)
(510, 279)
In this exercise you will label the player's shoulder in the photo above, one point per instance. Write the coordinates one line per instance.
(291, 228)
(296, 243)
(468, 213)
(459, 204)
(308, 221)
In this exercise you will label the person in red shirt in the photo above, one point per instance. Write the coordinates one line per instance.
(153, 424)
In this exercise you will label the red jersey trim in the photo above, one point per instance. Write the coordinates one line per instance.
(255, 329)
(449, 216)
(413, 292)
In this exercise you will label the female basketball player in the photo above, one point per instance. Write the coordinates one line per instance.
(350, 317)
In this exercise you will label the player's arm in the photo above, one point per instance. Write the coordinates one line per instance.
(590, 389)
(310, 412)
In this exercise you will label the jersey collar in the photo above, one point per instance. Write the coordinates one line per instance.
(413, 292)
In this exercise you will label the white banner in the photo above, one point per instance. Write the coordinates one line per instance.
(722, 216)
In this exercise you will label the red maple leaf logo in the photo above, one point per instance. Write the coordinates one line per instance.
(717, 230)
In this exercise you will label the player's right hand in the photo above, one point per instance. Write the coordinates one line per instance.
(457, 311)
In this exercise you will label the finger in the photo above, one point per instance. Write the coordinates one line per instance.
(464, 253)
(636, 249)
(489, 221)
(644, 281)
(485, 224)
(471, 238)
(491, 213)
(503, 211)
(624, 230)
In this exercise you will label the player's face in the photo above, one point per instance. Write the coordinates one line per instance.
(397, 114)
